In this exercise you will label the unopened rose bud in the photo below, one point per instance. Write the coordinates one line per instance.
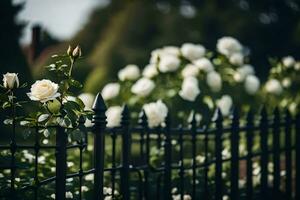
(76, 52)
(10, 80)
(70, 50)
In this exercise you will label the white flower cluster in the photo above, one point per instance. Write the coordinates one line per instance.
(232, 49)
(190, 66)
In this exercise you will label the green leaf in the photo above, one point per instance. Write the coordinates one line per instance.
(6, 105)
(8, 121)
(75, 83)
(76, 135)
(43, 117)
(46, 133)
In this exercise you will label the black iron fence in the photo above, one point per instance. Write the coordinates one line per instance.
(261, 159)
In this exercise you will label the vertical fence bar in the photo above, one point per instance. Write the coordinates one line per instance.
(234, 161)
(288, 155)
(125, 154)
(36, 162)
(249, 136)
(82, 144)
(264, 153)
(276, 152)
(297, 156)
(13, 149)
(61, 163)
(218, 156)
(99, 120)
(194, 164)
(206, 167)
(168, 160)
(144, 125)
(113, 160)
(181, 168)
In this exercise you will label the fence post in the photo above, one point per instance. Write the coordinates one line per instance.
(264, 153)
(288, 155)
(194, 164)
(249, 136)
(99, 120)
(234, 164)
(297, 156)
(276, 152)
(168, 160)
(218, 155)
(146, 159)
(125, 154)
(61, 163)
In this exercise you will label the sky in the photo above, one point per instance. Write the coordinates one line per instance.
(62, 18)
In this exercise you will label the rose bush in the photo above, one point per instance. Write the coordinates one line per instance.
(191, 78)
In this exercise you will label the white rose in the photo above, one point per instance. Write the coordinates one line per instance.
(155, 54)
(143, 87)
(10, 80)
(87, 99)
(156, 113)
(242, 72)
(297, 66)
(228, 46)
(114, 116)
(69, 195)
(110, 90)
(172, 50)
(150, 71)
(168, 63)
(236, 59)
(189, 70)
(225, 104)
(286, 82)
(252, 84)
(43, 91)
(187, 197)
(273, 86)
(204, 64)
(192, 51)
(288, 61)
(214, 81)
(189, 89)
(130, 72)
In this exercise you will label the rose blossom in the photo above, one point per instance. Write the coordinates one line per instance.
(150, 71)
(143, 87)
(252, 84)
(228, 46)
(214, 81)
(189, 89)
(156, 113)
(192, 51)
(168, 63)
(225, 104)
(204, 64)
(10, 80)
(130, 72)
(110, 90)
(190, 70)
(43, 91)
(273, 86)
(114, 116)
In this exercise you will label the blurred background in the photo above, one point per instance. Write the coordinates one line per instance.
(114, 33)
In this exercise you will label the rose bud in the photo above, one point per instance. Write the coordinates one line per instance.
(10, 80)
(76, 52)
(70, 50)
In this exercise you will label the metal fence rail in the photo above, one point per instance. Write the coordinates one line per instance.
(278, 136)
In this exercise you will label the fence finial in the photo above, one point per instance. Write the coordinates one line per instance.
(99, 105)
(143, 119)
